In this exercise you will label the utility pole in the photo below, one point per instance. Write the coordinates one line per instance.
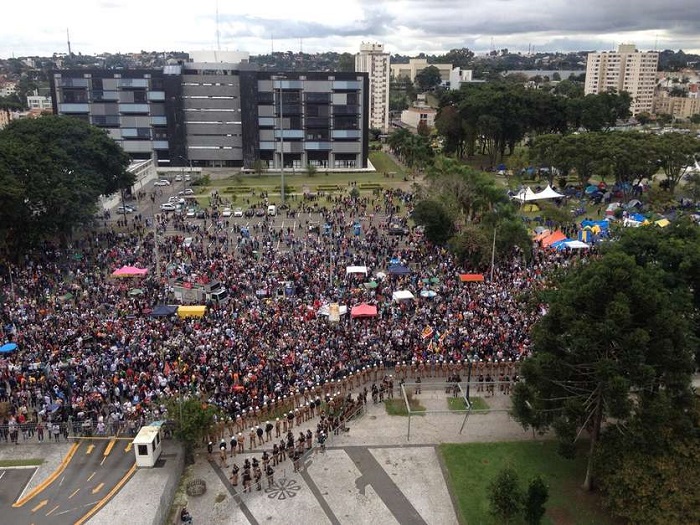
(493, 251)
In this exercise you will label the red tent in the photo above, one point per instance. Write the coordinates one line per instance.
(363, 310)
(129, 271)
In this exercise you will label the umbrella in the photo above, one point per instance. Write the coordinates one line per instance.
(591, 189)
(434, 280)
(363, 310)
(135, 291)
(425, 281)
(428, 294)
(77, 256)
(7, 348)
(371, 284)
(381, 275)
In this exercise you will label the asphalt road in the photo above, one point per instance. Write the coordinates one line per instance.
(12, 482)
(92, 476)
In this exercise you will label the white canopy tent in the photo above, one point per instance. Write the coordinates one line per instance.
(326, 310)
(402, 295)
(576, 245)
(547, 193)
(524, 195)
(356, 269)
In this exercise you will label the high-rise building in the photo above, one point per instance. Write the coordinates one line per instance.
(224, 114)
(625, 70)
(372, 59)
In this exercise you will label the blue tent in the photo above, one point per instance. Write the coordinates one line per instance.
(7, 348)
(398, 269)
(163, 310)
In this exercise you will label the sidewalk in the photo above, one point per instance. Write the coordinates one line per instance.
(371, 474)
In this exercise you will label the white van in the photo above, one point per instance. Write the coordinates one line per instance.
(272, 210)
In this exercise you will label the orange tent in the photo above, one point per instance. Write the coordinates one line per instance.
(542, 235)
(552, 238)
(471, 277)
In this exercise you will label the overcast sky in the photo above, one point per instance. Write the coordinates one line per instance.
(404, 26)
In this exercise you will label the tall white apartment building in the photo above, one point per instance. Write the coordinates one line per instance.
(373, 60)
(625, 70)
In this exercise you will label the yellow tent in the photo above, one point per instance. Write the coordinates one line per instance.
(191, 311)
(662, 223)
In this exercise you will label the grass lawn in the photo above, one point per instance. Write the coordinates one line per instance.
(471, 467)
(397, 407)
(31, 462)
(457, 403)
(384, 163)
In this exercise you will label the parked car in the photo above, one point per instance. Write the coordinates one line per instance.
(162, 182)
(260, 212)
(176, 200)
(201, 214)
(188, 177)
(238, 212)
(178, 178)
(168, 206)
(250, 212)
(186, 191)
(191, 212)
(126, 209)
(227, 212)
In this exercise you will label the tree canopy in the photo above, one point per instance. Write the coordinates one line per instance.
(619, 336)
(492, 118)
(52, 171)
(625, 155)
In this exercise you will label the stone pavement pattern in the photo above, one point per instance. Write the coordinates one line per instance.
(370, 475)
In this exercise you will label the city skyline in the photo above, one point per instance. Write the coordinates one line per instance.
(404, 26)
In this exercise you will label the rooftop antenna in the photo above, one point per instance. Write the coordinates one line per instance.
(301, 46)
(70, 53)
(272, 43)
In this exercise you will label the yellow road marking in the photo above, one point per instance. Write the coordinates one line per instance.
(98, 488)
(52, 510)
(42, 503)
(90, 448)
(91, 476)
(74, 493)
(111, 493)
(109, 447)
(128, 447)
(41, 486)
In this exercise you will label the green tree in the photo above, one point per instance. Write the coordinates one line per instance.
(612, 327)
(439, 225)
(194, 422)
(505, 495)
(534, 501)
(428, 79)
(645, 465)
(676, 151)
(55, 168)
(259, 166)
(311, 170)
(695, 119)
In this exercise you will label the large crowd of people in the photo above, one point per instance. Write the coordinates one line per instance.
(91, 356)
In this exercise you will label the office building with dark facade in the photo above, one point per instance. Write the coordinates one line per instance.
(217, 114)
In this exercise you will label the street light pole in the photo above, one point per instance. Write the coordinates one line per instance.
(493, 251)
